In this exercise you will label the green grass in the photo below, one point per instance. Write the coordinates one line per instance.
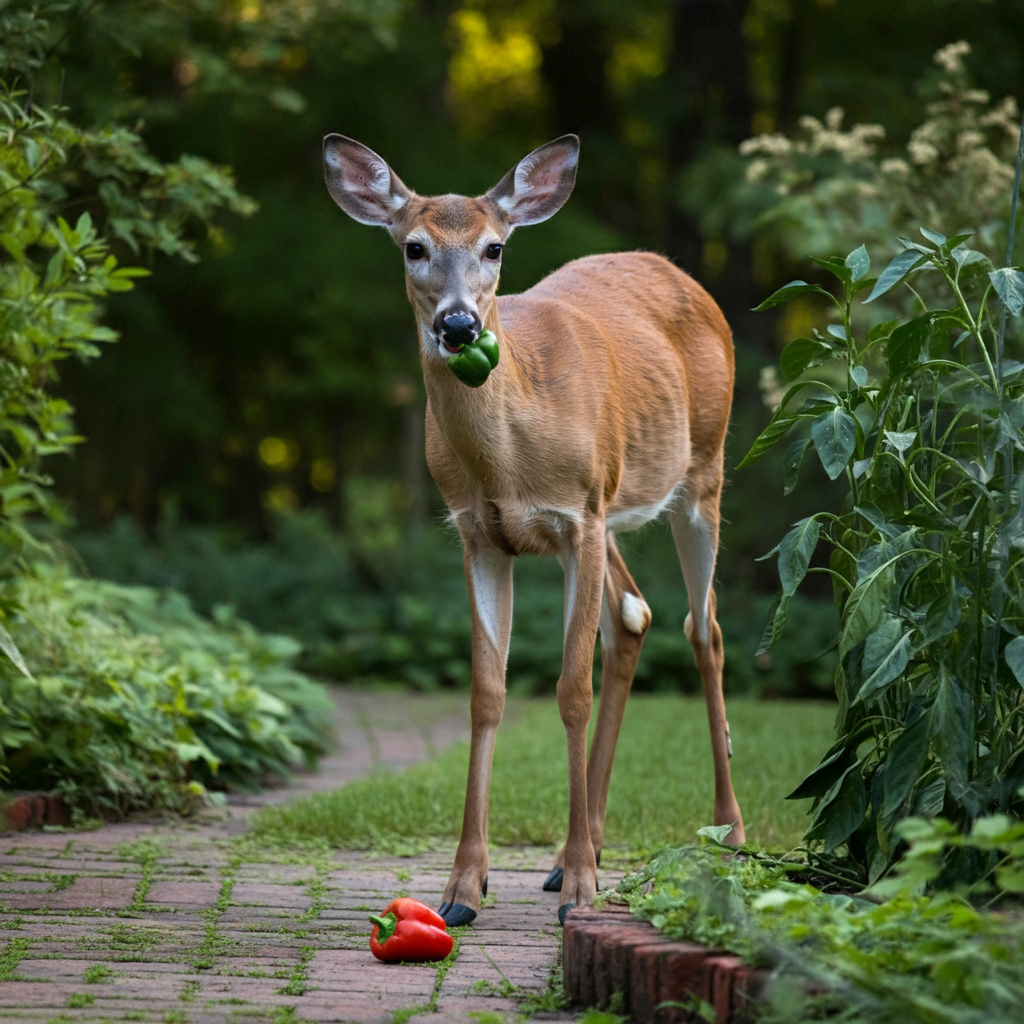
(661, 790)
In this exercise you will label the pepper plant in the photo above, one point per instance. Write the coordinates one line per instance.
(922, 417)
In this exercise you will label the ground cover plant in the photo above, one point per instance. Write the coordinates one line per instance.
(126, 699)
(663, 738)
(899, 956)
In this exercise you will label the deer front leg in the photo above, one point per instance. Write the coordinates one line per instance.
(625, 619)
(489, 578)
(584, 568)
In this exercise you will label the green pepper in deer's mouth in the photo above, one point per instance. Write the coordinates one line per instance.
(474, 363)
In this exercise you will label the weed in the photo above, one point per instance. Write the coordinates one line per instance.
(299, 975)
(190, 990)
(97, 973)
(58, 882)
(408, 1012)
(13, 953)
(78, 1000)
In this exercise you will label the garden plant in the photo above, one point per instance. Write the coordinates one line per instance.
(118, 699)
(904, 903)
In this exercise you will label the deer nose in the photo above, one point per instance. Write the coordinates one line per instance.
(457, 330)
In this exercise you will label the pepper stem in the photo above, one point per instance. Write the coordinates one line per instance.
(385, 926)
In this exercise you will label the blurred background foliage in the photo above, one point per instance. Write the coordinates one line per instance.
(255, 437)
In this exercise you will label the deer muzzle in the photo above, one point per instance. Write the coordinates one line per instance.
(457, 330)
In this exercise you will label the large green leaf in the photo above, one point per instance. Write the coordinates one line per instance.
(866, 605)
(1009, 286)
(10, 648)
(801, 354)
(898, 269)
(765, 441)
(901, 768)
(953, 730)
(791, 463)
(835, 438)
(775, 625)
(907, 342)
(841, 809)
(858, 262)
(788, 291)
(795, 552)
(887, 652)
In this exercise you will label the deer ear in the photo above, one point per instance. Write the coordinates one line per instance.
(538, 186)
(361, 183)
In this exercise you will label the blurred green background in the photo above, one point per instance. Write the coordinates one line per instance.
(255, 438)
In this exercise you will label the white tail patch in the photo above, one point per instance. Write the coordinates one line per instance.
(636, 616)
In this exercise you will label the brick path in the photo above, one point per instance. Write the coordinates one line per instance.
(173, 922)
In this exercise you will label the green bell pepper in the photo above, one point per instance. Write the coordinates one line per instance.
(474, 363)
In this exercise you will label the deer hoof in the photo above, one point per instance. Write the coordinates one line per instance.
(563, 910)
(456, 914)
(553, 883)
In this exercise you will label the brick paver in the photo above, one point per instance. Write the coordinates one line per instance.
(176, 922)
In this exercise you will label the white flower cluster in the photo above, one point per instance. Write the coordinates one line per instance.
(955, 173)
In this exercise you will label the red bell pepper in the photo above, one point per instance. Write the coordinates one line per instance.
(409, 930)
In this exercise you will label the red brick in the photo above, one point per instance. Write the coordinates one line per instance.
(718, 977)
(661, 972)
(612, 957)
(578, 947)
(748, 992)
(21, 813)
(32, 810)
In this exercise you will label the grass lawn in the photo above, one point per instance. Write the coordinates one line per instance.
(661, 790)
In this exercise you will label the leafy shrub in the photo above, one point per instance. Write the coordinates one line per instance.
(396, 609)
(55, 275)
(136, 702)
(927, 555)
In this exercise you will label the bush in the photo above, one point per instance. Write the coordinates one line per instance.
(132, 701)
(397, 611)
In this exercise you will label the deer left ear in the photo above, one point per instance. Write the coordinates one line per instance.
(538, 186)
(361, 183)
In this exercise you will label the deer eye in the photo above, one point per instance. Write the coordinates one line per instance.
(414, 251)
(493, 251)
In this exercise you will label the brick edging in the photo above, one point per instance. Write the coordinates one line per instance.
(611, 959)
(32, 810)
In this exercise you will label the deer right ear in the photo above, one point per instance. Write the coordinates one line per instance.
(361, 183)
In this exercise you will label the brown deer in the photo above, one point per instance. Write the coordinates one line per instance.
(608, 407)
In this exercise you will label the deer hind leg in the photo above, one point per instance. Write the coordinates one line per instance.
(489, 577)
(625, 619)
(695, 531)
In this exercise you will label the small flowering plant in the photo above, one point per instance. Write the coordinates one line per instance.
(837, 184)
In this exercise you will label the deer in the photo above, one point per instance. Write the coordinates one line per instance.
(607, 408)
